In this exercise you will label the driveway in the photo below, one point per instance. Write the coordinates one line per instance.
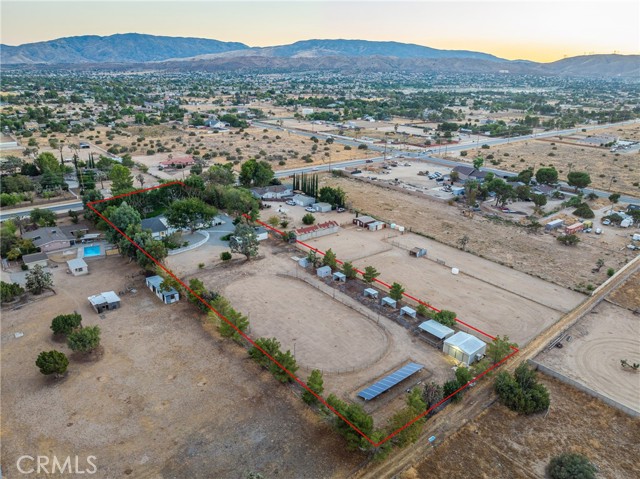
(217, 232)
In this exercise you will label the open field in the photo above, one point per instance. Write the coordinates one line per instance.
(535, 254)
(486, 295)
(628, 295)
(598, 342)
(167, 399)
(499, 444)
(572, 154)
(330, 331)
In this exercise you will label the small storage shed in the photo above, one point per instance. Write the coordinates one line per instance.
(78, 267)
(321, 207)
(261, 233)
(168, 296)
(408, 311)
(388, 301)
(338, 276)
(104, 301)
(363, 221)
(417, 252)
(324, 271)
(33, 259)
(371, 293)
(436, 329)
(376, 225)
(464, 347)
(303, 262)
(553, 225)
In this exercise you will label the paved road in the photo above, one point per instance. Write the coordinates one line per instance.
(56, 207)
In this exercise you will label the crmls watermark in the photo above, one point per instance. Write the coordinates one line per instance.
(55, 465)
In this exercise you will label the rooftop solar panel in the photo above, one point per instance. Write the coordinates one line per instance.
(389, 381)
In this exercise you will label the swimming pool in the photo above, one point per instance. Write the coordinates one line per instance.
(91, 251)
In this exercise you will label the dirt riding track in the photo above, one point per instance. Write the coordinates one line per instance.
(491, 297)
(599, 341)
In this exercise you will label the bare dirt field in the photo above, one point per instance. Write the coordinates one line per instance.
(352, 345)
(486, 295)
(535, 254)
(570, 154)
(628, 296)
(598, 342)
(500, 444)
(169, 398)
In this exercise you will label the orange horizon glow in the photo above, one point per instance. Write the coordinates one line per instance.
(540, 31)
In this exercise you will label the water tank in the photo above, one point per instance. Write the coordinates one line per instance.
(455, 270)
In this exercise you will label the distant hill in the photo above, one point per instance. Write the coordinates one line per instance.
(355, 49)
(121, 48)
(177, 53)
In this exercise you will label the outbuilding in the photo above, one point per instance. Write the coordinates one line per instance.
(388, 301)
(408, 311)
(363, 221)
(553, 225)
(376, 225)
(417, 252)
(78, 267)
(323, 271)
(464, 347)
(167, 295)
(303, 200)
(574, 228)
(261, 233)
(321, 207)
(338, 276)
(436, 329)
(30, 260)
(371, 293)
(104, 301)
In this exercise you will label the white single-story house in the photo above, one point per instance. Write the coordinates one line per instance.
(273, 192)
(261, 233)
(52, 238)
(168, 295)
(158, 226)
(464, 347)
(104, 301)
(36, 258)
(78, 267)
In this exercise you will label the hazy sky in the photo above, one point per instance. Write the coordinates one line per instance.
(533, 30)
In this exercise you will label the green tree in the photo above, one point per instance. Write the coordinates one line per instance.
(463, 375)
(356, 415)
(478, 162)
(499, 348)
(451, 387)
(8, 291)
(432, 394)
(274, 221)
(121, 180)
(255, 173)
(47, 163)
(234, 318)
(614, 198)
(583, 211)
(271, 346)
(396, 291)
(568, 240)
(370, 273)
(308, 219)
(52, 362)
(221, 174)
(43, 217)
(329, 259)
(316, 384)
(84, 340)
(547, 176)
(448, 318)
(522, 392)
(190, 213)
(415, 406)
(66, 323)
(578, 179)
(288, 362)
(349, 270)
(122, 217)
(571, 466)
(525, 176)
(37, 280)
(244, 241)
(539, 200)
(336, 197)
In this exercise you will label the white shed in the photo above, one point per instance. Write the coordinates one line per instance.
(78, 267)
(408, 311)
(338, 276)
(464, 347)
(372, 293)
(436, 329)
(323, 271)
(388, 301)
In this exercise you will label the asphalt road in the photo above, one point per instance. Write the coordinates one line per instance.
(75, 206)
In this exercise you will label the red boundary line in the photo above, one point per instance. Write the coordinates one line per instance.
(290, 374)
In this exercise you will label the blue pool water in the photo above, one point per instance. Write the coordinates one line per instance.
(91, 251)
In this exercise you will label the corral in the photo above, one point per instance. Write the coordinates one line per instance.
(592, 351)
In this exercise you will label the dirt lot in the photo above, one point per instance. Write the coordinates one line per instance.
(487, 295)
(501, 242)
(499, 444)
(598, 342)
(572, 154)
(628, 295)
(330, 331)
(168, 398)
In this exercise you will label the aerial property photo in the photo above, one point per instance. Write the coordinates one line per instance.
(329, 251)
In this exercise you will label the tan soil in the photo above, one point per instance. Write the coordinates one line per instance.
(628, 295)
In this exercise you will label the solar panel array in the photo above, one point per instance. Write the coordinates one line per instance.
(389, 381)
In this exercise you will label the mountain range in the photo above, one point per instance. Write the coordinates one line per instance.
(133, 50)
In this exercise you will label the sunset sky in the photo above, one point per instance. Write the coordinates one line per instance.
(515, 29)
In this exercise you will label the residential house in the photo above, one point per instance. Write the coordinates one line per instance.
(55, 237)
(470, 173)
(158, 226)
(35, 259)
(180, 162)
(273, 192)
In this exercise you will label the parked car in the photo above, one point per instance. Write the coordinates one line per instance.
(598, 231)
(290, 202)
(341, 210)
(369, 161)
(310, 209)
(606, 222)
